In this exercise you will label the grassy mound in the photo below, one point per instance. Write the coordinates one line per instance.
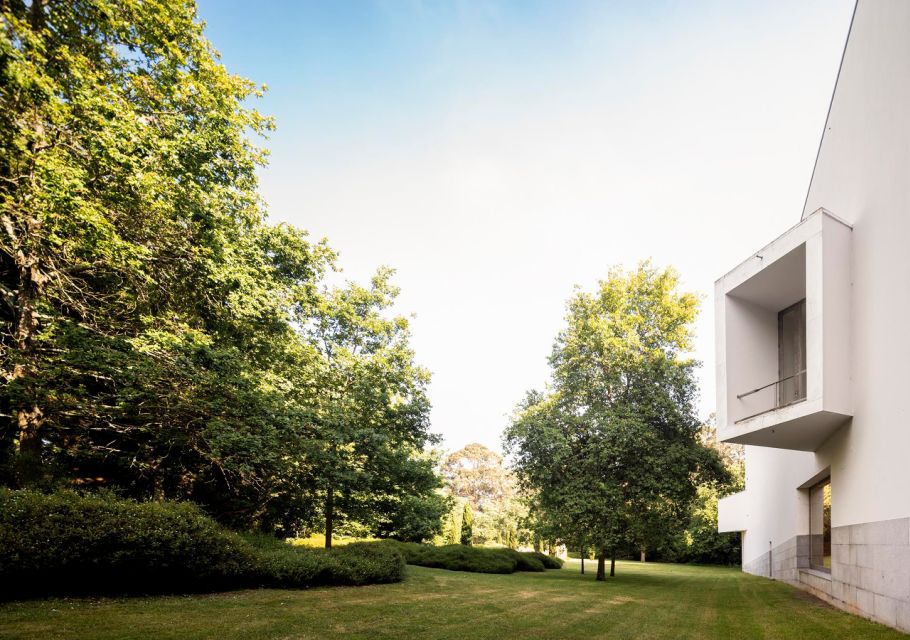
(72, 543)
(457, 557)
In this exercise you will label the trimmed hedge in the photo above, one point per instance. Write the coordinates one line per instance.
(549, 562)
(283, 565)
(457, 557)
(72, 543)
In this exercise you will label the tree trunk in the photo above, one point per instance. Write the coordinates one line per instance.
(642, 559)
(601, 568)
(329, 516)
(29, 417)
(612, 562)
(582, 562)
(28, 465)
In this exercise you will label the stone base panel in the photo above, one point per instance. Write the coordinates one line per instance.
(870, 570)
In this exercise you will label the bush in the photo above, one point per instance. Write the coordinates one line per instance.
(72, 543)
(283, 565)
(66, 542)
(457, 557)
(549, 562)
(527, 562)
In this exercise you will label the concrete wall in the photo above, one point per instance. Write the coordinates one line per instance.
(863, 176)
(778, 510)
(751, 333)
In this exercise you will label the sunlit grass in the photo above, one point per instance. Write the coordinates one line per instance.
(648, 601)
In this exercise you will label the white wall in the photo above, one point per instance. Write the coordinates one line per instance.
(863, 176)
(777, 509)
(751, 332)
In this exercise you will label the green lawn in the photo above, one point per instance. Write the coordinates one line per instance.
(643, 602)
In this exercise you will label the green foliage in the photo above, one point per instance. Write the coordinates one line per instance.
(467, 525)
(279, 564)
(451, 523)
(416, 518)
(458, 557)
(549, 562)
(71, 543)
(370, 403)
(476, 474)
(159, 337)
(701, 542)
(612, 454)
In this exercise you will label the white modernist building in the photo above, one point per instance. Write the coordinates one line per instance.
(813, 351)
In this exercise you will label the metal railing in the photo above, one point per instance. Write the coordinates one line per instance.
(780, 399)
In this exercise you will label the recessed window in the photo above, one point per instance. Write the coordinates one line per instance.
(820, 526)
(791, 341)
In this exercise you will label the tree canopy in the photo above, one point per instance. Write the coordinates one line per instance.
(612, 452)
(476, 474)
(160, 337)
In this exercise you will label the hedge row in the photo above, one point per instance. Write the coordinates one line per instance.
(457, 557)
(72, 543)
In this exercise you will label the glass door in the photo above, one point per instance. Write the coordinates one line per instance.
(820, 526)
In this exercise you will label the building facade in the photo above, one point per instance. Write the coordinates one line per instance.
(813, 351)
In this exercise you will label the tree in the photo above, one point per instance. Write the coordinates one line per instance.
(477, 473)
(467, 525)
(612, 451)
(128, 204)
(415, 518)
(451, 523)
(372, 410)
(700, 541)
(158, 335)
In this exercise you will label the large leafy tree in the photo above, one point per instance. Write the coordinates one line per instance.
(478, 475)
(126, 174)
(154, 326)
(612, 452)
(372, 410)
(701, 542)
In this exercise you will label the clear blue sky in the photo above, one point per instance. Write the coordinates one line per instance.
(499, 153)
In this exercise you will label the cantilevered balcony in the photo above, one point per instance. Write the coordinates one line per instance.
(783, 339)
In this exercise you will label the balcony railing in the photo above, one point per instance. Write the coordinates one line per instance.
(784, 392)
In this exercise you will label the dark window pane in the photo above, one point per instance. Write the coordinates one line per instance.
(791, 340)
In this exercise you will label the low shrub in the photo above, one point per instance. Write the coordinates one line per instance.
(317, 541)
(73, 543)
(67, 542)
(527, 562)
(283, 565)
(549, 562)
(457, 557)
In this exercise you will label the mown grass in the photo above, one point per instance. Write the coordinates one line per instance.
(646, 602)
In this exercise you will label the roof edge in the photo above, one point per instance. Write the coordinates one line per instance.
(830, 105)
